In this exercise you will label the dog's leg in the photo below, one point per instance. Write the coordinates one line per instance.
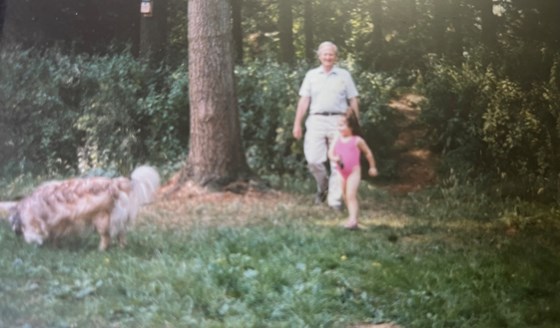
(102, 224)
(122, 238)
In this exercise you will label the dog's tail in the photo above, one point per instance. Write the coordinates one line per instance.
(144, 182)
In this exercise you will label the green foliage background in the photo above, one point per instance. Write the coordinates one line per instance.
(66, 113)
(489, 71)
(483, 248)
(486, 123)
(81, 112)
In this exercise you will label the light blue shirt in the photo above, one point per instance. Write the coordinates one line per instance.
(329, 92)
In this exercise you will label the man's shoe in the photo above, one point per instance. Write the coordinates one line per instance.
(336, 208)
(320, 197)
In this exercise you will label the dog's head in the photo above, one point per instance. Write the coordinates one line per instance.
(15, 221)
(33, 231)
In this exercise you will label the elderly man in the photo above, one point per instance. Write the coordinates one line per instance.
(328, 91)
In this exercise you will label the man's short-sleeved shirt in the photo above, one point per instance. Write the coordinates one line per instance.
(329, 92)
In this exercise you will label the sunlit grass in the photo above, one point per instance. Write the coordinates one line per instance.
(277, 261)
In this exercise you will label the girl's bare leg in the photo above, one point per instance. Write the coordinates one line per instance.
(351, 191)
(343, 185)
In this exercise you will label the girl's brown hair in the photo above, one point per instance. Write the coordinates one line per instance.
(353, 122)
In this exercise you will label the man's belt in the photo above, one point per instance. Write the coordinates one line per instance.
(328, 113)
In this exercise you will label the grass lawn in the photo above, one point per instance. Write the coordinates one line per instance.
(273, 260)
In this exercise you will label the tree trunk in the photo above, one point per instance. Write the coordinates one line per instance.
(285, 23)
(377, 40)
(310, 55)
(237, 17)
(153, 33)
(2, 15)
(439, 26)
(488, 22)
(455, 44)
(216, 155)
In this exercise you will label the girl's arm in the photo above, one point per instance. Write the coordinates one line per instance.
(332, 156)
(362, 145)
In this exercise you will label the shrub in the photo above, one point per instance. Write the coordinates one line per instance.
(71, 113)
(490, 125)
(133, 110)
(63, 113)
(37, 110)
(268, 96)
(379, 121)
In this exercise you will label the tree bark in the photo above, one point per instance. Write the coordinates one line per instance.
(285, 24)
(439, 26)
(488, 22)
(308, 31)
(455, 44)
(153, 34)
(2, 16)
(216, 155)
(377, 39)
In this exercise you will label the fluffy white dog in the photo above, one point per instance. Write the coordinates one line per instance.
(59, 208)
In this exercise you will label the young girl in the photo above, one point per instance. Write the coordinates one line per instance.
(345, 151)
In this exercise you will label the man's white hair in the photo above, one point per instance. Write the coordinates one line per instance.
(327, 44)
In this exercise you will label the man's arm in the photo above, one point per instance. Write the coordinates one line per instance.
(302, 106)
(355, 106)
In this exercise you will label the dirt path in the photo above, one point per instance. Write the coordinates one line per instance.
(415, 170)
(416, 164)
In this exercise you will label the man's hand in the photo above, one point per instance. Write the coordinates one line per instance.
(297, 132)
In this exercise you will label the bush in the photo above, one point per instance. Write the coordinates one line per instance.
(37, 111)
(68, 114)
(133, 110)
(63, 113)
(268, 96)
(379, 121)
(490, 125)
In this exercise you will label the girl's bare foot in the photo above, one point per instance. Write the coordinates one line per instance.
(351, 225)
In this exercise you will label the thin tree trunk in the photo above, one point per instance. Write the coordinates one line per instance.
(439, 26)
(216, 155)
(153, 33)
(308, 31)
(285, 24)
(3, 7)
(377, 40)
(455, 39)
(488, 22)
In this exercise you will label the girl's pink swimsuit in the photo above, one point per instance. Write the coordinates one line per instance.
(349, 155)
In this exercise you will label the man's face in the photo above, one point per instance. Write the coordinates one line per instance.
(327, 57)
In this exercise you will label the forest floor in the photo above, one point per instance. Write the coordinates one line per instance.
(416, 166)
(182, 205)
